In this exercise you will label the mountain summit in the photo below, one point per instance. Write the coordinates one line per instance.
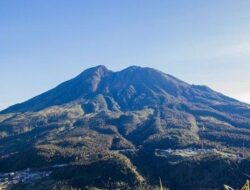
(137, 86)
(127, 128)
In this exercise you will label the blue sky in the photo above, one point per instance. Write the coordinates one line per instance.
(45, 42)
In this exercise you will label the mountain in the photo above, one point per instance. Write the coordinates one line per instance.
(126, 87)
(125, 130)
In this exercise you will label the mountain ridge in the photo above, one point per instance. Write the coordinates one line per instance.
(139, 122)
(93, 76)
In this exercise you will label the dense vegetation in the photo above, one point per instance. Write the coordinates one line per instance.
(108, 126)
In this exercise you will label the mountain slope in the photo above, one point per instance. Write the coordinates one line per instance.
(102, 115)
(84, 84)
(133, 82)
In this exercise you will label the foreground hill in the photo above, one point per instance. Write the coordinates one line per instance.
(126, 129)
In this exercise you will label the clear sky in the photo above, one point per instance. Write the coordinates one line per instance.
(45, 42)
